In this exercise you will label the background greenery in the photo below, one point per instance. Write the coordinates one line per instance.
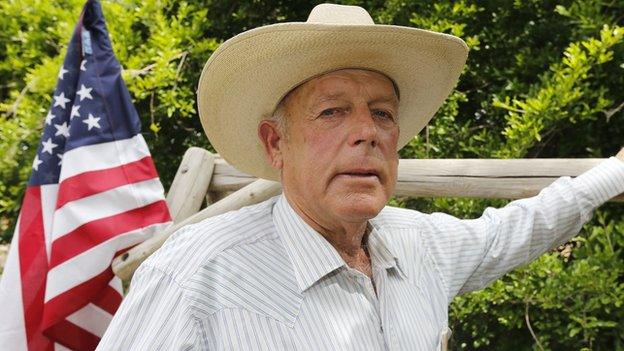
(544, 79)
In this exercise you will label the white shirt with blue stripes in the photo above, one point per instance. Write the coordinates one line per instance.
(260, 278)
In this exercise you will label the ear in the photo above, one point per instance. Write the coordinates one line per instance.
(271, 138)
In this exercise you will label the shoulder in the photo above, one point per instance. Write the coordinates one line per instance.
(401, 229)
(398, 218)
(412, 226)
(232, 261)
(194, 245)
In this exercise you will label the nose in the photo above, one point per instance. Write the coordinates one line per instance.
(363, 130)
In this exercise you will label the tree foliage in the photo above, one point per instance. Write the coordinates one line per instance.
(543, 79)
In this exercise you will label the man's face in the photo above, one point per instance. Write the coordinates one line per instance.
(338, 158)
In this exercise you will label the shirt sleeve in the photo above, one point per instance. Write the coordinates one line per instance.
(469, 254)
(154, 316)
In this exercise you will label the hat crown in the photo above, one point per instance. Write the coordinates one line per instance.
(339, 14)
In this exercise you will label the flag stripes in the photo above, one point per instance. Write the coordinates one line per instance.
(105, 204)
(90, 263)
(92, 319)
(109, 299)
(73, 336)
(70, 301)
(99, 231)
(33, 266)
(93, 182)
(103, 156)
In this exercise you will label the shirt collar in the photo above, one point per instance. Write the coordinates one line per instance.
(313, 257)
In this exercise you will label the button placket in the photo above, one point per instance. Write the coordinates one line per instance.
(381, 276)
(366, 285)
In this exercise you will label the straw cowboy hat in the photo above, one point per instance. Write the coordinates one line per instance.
(248, 75)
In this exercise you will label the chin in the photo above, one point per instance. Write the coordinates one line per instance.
(361, 206)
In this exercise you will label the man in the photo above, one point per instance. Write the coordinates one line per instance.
(326, 266)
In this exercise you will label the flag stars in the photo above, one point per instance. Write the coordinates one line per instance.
(82, 65)
(60, 100)
(36, 163)
(92, 122)
(60, 156)
(84, 92)
(49, 118)
(74, 112)
(48, 146)
(62, 72)
(62, 129)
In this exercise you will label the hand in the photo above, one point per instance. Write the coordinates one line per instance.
(620, 154)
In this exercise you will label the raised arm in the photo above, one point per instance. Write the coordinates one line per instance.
(472, 253)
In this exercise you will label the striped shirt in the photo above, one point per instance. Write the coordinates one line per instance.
(260, 278)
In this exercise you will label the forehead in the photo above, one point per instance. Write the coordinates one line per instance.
(344, 81)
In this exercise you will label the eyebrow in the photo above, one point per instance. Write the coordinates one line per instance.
(329, 97)
(336, 96)
(393, 99)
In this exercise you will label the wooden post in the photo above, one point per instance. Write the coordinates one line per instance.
(186, 195)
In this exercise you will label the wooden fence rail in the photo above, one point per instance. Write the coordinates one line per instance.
(206, 176)
(481, 178)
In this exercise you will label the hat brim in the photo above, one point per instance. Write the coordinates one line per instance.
(246, 77)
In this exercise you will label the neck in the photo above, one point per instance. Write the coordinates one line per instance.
(348, 238)
(344, 236)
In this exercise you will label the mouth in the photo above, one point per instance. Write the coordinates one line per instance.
(360, 174)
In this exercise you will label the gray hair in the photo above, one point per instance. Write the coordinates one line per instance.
(279, 117)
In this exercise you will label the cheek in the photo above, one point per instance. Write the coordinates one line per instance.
(310, 155)
(389, 139)
(318, 159)
(321, 145)
(389, 149)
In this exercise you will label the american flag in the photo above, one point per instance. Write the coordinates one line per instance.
(93, 193)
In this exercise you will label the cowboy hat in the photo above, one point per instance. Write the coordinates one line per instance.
(248, 75)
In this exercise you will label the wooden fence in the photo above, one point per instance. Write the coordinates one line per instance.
(204, 178)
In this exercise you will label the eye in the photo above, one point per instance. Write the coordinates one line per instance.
(330, 112)
(383, 115)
